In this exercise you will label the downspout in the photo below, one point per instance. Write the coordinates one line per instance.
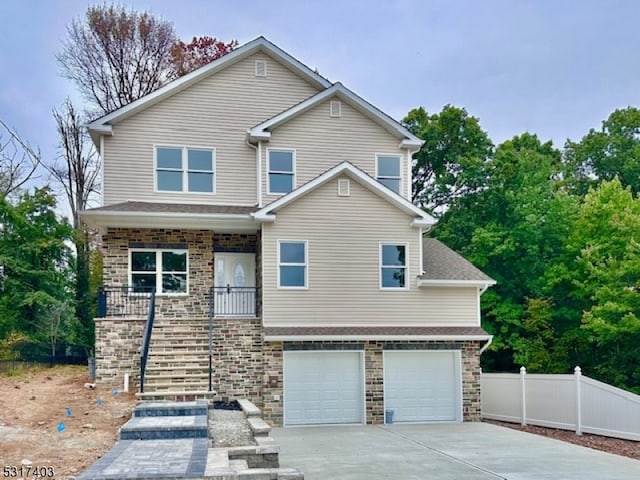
(258, 172)
(102, 169)
(486, 345)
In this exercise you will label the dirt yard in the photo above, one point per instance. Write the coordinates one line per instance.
(32, 406)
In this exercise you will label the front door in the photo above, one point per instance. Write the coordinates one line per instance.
(235, 284)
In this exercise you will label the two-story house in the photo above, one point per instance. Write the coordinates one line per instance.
(269, 209)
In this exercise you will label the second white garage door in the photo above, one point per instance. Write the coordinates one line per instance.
(423, 386)
(323, 387)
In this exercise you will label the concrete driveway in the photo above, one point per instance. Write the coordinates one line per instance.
(442, 451)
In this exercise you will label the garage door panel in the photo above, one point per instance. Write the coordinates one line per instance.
(422, 386)
(323, 387)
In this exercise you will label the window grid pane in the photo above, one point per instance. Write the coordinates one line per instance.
(169, 158)
(200, 160)
(280, 161)
(280, 182)
(388, 166)
(170, 180)
(292, 276)
(200, 182)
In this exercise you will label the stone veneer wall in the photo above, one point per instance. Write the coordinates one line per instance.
(374, 386)
(118, 343)
(238, 358)
(118, 241)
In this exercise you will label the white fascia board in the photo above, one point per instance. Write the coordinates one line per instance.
(233, 222)
(324, 338)
(412, 144)
(422, 223)
(455, 283)
(183, 82)
(423, 219)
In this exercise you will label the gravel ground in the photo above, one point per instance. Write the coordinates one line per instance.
(626, 448)
(229, 428)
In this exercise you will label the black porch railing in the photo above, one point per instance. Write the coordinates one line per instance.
(146, 339)
(124, 301)
(233, 301)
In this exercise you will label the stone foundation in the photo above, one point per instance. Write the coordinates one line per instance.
(118, 344)
(238, 358)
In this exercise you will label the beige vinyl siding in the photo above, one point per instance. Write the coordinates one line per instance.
(214, 113)
(344, 235)
(322, 142)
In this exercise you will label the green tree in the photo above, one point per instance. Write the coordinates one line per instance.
(514, 229)
(451, 163)
(603, 266)
(613, 151)
(36, 260)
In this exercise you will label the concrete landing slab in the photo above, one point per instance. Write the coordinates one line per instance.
(151, 459)
(162, 427)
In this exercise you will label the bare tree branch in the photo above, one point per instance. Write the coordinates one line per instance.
(18, 161)
(77, 168)
(116, 56)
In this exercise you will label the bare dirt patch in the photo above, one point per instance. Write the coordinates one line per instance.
(626, 448)
(33, 404)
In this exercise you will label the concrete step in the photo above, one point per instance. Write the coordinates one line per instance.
(162, 385)
(177, 395)
(171, 409)
(177, 348)
(177, 371)
(164, 427)
(154, 377)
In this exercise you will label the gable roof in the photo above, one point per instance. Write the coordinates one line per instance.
(444, 267)
(421, 218)
(262, 131)
(102, 125)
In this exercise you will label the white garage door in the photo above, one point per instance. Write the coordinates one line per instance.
(323, 388)
(423, 386)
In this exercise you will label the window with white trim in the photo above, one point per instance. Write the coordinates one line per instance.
(393, 266)
(388, 171)
(281, 171)
(185, 169)
(166, 270)
(292, 264)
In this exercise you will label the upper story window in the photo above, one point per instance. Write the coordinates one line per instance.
(185, 169)
(166, 270)
(292, 264)
(388, 171)
(393, 266)
(281, 171)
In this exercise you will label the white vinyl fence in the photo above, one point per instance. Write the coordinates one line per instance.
(569, 402)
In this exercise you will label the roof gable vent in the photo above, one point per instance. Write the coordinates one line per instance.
(344, 189)
(335, 108)
(261, 68)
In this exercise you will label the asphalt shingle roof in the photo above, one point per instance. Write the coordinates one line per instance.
(439, 262)
(153, 207)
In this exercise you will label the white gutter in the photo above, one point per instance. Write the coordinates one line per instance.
(324, 338)
(456, 283)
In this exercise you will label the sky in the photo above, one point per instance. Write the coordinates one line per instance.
(556, 68)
